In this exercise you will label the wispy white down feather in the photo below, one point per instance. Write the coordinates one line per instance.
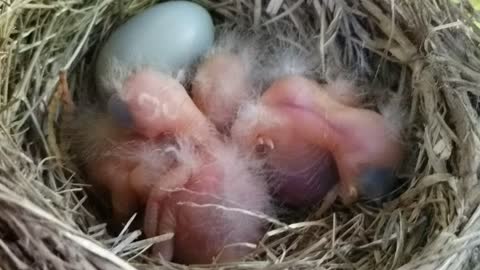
(118, 72)
(287, 62)
(246, 187)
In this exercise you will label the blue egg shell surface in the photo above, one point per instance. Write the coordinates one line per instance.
(165, 37)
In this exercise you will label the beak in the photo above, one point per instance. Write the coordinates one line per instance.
(376, 183)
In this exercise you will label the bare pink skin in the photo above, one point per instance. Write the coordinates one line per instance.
(159, 105)
(209, 233)
(161, 109)
(296, 115)
(110, 168)
(220, 86)
(113, 174)
(139, 171)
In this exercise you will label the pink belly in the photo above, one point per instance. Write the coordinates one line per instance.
(203, 231)
(305, 185)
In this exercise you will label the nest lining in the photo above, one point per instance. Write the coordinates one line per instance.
(428, 51)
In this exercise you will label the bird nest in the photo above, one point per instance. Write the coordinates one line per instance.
(426, 51)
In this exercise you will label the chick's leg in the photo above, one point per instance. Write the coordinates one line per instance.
(160, 213)
(160, 219)
(124, 200)
(166, 224)
(113, 174)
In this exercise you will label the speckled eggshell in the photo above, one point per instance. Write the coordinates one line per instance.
(165, 37)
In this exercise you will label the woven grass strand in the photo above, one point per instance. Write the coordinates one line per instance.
(429, 51)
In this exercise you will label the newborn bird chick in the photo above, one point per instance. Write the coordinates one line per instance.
(219, 87)
(301, 128)
(159, 152)
(226, 77)
(120, 149)
(213, 212)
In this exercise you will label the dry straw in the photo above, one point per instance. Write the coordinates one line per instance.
(428, 50)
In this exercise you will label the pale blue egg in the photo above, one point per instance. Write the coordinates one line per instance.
(165, 37)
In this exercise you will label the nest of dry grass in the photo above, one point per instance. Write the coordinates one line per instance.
(429, 51)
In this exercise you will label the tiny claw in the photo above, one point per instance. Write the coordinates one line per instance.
(268, 142)
(349, 194)
(264, 145)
